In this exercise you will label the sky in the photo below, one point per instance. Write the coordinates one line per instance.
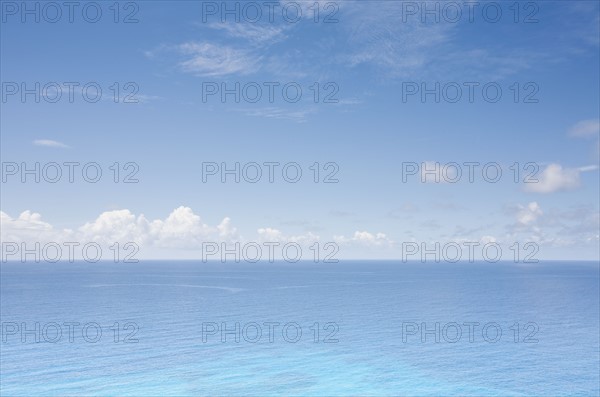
(381, 97)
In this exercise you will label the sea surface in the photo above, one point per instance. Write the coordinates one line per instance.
(183, 328)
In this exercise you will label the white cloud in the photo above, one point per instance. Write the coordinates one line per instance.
(527, 225)
(226, 230)
(181, 234)
(29, 226)
(585, 128)
(487, 239)
(299, 115)
(112, 226)
(49, 143)
(255, 33)
(365, 238)
(555, 178)
(269, 234)
(274, 235)
(30, 221)
(378, 37)
(529, 214)
(182, 229)
(211, 60)
(575, 227)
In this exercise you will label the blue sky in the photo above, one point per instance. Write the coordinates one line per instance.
(374, 51)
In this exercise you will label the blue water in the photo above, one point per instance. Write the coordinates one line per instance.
(368, 302)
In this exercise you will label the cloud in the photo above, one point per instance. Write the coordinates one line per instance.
(585, 128)
(27, 221)
(113, 226)
(29, 227)
(257, 34)
(378, 38)
(299, 115)
(526, 226)
(555, 178)
(580, 225)
(366, 239)
(269, 234)
(401, 45)
(574, 227)
(206, 59)
(49, 143)
(487, 239)
(528, 215)
(383, 37)
(226, 230)
(274, 235)
(181, 229)
(181, 234)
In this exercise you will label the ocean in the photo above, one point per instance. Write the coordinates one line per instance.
(376, 328)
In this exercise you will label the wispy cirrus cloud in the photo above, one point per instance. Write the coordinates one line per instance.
(258, 35)
(299, 115)
(243, 53)
(49, 143)
(206, 59)
(376, 37)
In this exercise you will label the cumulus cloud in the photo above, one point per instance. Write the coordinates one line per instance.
(29, 226)
(365, 238)
(269, 234)
(585, 128)
(226, 230)
(555, 178)
(527, 223)
(529, 214)
(181, 229)
(112, 226)
(574, 227)
(487, 239)
(274, 235)
(27, 221)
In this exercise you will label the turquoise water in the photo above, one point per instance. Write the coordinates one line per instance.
(361, 348)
